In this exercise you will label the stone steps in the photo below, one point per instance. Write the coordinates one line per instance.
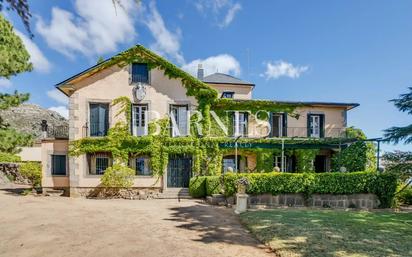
(175, 193)
(53, 192)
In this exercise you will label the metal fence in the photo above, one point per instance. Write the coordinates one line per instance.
(58, 132)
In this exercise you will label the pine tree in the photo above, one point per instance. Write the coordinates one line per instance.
(397, 134)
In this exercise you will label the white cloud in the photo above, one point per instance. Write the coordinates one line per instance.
(58, 96)
(223, 63)
(231, 15)
(277, 69)
(222, 11)
(62, 110)
(37, 58)
(5, 83)
(96, 28)
(167, 43)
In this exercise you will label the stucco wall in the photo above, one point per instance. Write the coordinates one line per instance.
(334, 121)
(32, 154)
(50, 147)
(241, 91)
(106, 86)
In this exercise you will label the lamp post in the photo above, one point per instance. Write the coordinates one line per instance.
(236, 139)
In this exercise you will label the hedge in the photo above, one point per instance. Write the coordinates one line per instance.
(383, 185)
(197, 186)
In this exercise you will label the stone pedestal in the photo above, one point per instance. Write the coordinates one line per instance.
(241, 203)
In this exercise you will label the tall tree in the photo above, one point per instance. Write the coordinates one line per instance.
(397, 134)
(14, 57)
(21, 7)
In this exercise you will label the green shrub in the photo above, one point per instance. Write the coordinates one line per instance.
(197, 187)
(405, 196)
(117, 176)
(31, 171)
(383, 185)
(213, 185)
(8, 157)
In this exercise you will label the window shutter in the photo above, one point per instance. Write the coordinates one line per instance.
(130, 73)
(308, 125)
(246, 122)
(285, 124)
(322, 125)
(271, 124)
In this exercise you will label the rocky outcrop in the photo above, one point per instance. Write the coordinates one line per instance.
(27, 118)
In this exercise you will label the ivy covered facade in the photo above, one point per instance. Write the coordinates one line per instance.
(140, 110)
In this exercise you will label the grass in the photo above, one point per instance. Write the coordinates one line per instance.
(332, 233)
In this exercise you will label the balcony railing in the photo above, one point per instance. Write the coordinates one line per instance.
(328, 132)
(136, 78)
(59, 132)
(95, 129)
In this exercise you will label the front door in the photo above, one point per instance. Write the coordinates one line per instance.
(179, 170)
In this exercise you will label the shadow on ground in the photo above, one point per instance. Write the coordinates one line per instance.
(215, 224)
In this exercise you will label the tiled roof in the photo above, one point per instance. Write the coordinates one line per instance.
(221, 78)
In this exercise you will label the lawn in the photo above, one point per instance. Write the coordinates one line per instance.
(292, 232)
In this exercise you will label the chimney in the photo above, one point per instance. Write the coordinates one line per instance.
(200, 72)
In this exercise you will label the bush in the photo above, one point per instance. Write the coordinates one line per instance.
(197, 187)
(405, 196)
(117, 176)
(383, 185)
(8, 157)
(213, 185)
(32, 172)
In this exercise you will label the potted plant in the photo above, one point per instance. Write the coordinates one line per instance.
(242, 185)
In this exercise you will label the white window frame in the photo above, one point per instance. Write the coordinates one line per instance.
(180, 128)
(241, 126)
(280, 118)
(143, 113)
(315, 130)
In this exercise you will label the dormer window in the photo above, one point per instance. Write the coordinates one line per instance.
(228, 94)
(140, 73)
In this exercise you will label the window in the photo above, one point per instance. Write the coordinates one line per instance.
(179, 118)
(58, 165)
(289, 163)
(228, 94)
(140, 73)
(229, 161)
(99, 119)
(279, 127)
(141, 165)
(316, 125)
(240, 124)
(139, 120)
(99, 162)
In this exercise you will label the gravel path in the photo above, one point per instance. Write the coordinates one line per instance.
(59, 226)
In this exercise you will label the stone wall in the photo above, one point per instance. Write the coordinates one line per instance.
(362, 201)
(97, 192)
(10, 171)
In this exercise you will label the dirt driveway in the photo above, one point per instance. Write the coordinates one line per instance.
(57, 226)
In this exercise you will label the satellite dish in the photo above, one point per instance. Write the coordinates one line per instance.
(139, 91)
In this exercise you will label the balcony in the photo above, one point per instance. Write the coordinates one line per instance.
(56, 132)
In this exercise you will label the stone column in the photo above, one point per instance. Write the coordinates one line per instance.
(241, 203)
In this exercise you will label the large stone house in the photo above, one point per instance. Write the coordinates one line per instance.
(239, 133)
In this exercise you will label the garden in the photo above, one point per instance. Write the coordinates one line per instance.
(298, 232)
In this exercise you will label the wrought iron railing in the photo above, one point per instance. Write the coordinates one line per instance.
(139, 78)
(95, 129)
(57, 132)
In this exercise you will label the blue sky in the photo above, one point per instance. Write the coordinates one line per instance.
(343, 51)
